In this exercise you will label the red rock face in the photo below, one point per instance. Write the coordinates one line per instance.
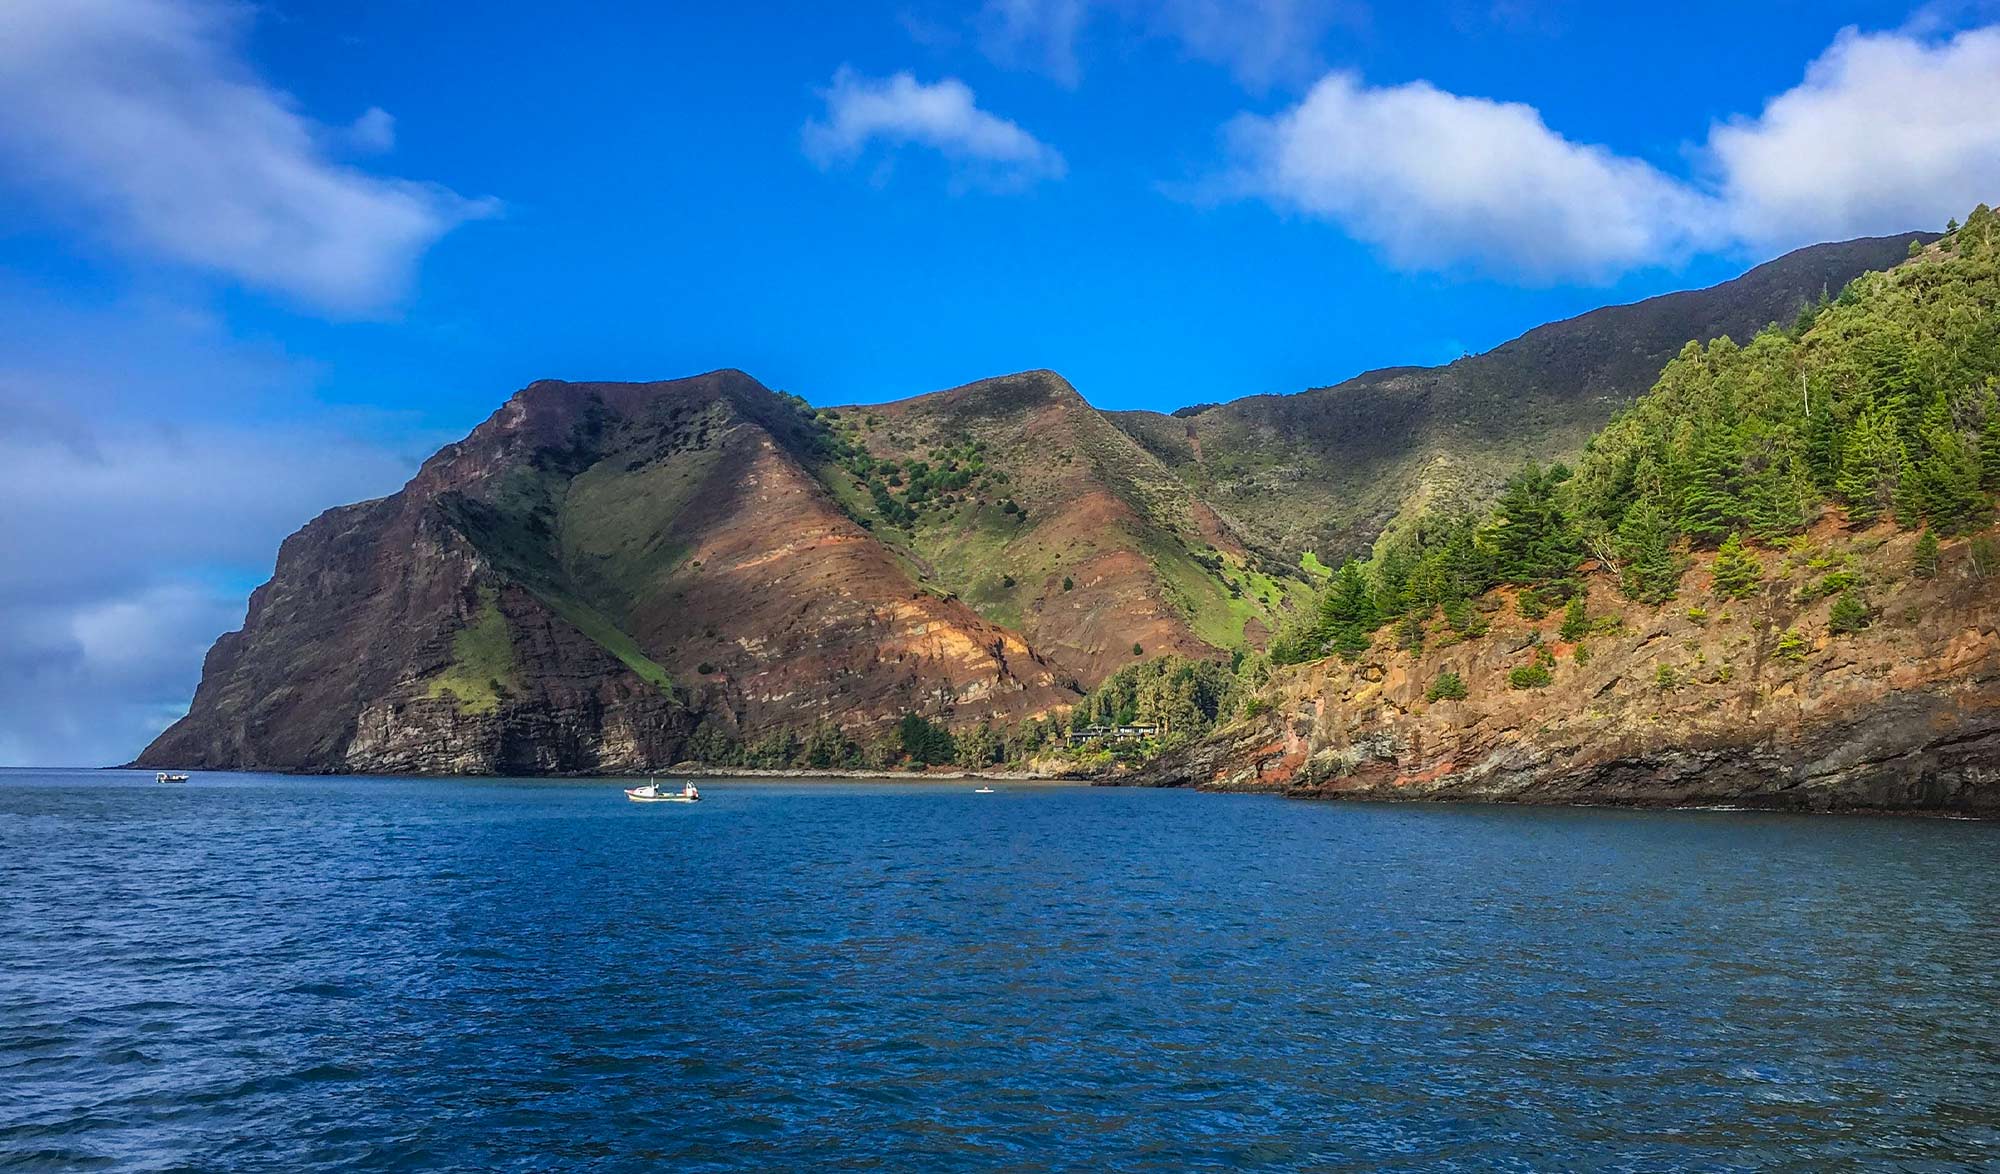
(1903, 715)
(575, 586)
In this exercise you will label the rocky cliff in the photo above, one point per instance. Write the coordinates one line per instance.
(1753, 702)
(589, 575)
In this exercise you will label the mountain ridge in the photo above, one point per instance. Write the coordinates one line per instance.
(1353, 451)
(612, 575)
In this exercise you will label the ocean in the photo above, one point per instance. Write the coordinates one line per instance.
(254, 972)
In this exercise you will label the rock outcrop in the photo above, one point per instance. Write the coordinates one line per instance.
(1752, 702)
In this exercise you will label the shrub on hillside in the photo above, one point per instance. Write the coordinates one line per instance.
(1792, 645)
(1576, 618)
(1530, 676)
(1849, 613)
(1449, 686)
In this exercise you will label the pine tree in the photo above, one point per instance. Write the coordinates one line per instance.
(1652, 572)
(1390, 580)
(1737, 571)
(1780, 499)
(925, 742)
(1532, 540)
(1467, 569)
(1871, 464)
(1941, 472)
(1954, 502)
(1924, 563)
(1347, 616)
(1822, 444)
(1710, 502)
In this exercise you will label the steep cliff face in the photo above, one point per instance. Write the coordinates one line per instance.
(352, 658)
(1751, 702)
(590, 574)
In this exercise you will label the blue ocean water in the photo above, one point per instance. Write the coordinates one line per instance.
(260, 973)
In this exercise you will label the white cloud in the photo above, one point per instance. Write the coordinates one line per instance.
(1041, 34)
(141, 115)
(1887, 133)
(129, 556)
(942, 116)
(1434, 179)
(1259, 41)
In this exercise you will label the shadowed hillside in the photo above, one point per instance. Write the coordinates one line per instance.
(1326, 470)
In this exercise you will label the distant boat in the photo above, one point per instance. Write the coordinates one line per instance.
(651, 793)
(169, 777)
(982, 790)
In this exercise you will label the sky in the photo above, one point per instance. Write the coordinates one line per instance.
(257, 260)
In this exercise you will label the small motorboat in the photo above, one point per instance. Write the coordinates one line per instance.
(167, 776)
(982, 790)
(651, 793)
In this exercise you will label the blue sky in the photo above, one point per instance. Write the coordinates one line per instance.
(259, 260)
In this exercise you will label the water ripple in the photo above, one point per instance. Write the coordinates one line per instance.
(255, 973)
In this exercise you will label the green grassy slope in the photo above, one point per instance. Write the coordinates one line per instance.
(1037, 486)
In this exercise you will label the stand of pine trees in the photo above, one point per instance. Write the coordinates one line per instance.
(1881, 402)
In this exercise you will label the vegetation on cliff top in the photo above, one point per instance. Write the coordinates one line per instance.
(1880, 402)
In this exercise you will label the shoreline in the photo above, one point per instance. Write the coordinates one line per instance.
(1140, 782)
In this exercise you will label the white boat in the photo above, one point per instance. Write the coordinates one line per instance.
(651, 793)
(169, 777)
(982, 790)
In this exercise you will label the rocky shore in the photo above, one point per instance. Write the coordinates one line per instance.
(1751, 703)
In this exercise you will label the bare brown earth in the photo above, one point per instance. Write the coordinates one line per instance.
(657, 555)
(1904, 715)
